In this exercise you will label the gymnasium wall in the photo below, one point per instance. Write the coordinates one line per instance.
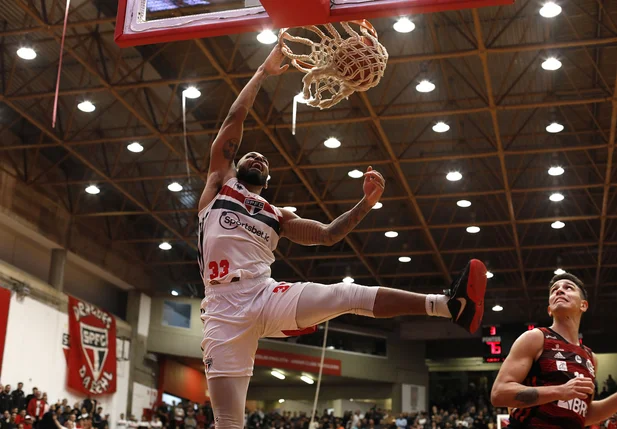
(33, 351)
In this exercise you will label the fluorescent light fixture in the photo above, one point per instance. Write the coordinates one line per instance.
(557, 224)
(489, 275)
(307, 379)
(377, 206)
(355, 174)
(441, 127)
(191, 92)
(454, 176)
(86, 106)
(556, 197)
(554, 128)
(174, 293)
(404, 25)
(497, 308)
(135, 147)
(348, 280)
(463, 203)
(332, 143)
(174, 187)
(425, 86)
(290, 208)
(165, 246)
(404, 259)
(267, 37)
(550, 10)
(93, 189)
(473, 229)
(391, 234)
(281, 401)
(555, 171)
(551, 64)
(277, 374)
(26, 53)
(559, 271)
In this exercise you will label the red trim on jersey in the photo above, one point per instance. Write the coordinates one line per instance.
(228, 191)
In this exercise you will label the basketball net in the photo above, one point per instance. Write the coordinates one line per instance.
(336, 67)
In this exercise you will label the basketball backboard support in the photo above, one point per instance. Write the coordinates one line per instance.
(142, 22)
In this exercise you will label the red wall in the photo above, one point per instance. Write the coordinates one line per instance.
(180, 380)
(5, 300)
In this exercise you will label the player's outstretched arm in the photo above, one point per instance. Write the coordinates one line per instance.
(310, 232)
(508, 390)
(601, 410)
(227, 142)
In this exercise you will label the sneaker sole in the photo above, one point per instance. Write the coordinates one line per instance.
(476, 288)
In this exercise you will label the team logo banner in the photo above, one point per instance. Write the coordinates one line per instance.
(92, 349)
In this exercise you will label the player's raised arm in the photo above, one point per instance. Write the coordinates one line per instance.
(508, 390)
(603, 409)
(310, 232)
(227, 142)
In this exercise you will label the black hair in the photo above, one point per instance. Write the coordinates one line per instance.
(571, 277)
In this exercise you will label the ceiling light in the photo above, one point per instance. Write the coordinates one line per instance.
(281, 401)
(550, 10)
(425, 86)
(93, 189)
(454, 176)
(551, 64)
(135, 147)
(269, 177)
(355, 174)
(348, 280)
(174, 187)
(559, 271)
(489, 275)
(554, 128)
(557, 224)
(441, 127)
(377, 206)
(86, 106)
(191, 92)
(165, 246)
(267, 37)
(404, 259)
(404, 25)
(555, 171)
(463, 203)
(26, 53)
(497, 308)
(277, 374)
(175, 293)
(307, 379)
(290, 208)
(391, 234)
(332, 143)
(556, 197)
(473, 229)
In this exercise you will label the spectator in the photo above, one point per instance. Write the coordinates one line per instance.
(144, 423)
(611, 385)
(36, 406)
(28, 422)
(34, 394)
(18, 397)
(122, 423)
(5, 422)
(6, 400)
(401, 422)
(190, 422)
(156, 423)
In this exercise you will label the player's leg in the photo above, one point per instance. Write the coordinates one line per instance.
(464, 303)
(228, 396)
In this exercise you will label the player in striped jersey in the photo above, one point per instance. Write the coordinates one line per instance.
(548, 377)
(238, 235)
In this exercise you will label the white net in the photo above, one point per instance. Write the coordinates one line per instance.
(337, 67)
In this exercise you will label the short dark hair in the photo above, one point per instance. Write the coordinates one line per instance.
(571, 277)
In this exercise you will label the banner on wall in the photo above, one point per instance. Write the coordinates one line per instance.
(5, 301)
(92, 367)
(296, 362)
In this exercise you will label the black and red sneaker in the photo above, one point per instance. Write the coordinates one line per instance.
(470, 286)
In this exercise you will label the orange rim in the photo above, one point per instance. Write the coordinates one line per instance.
(366, 25)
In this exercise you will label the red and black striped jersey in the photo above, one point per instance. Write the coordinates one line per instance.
(559, 362)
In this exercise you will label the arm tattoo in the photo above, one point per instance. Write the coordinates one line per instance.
(230, 149)
(342, 225)
(527, 396)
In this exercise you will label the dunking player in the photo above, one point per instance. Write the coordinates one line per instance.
(548, 378)
(238, 233)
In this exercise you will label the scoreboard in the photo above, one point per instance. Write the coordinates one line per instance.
(497, 340)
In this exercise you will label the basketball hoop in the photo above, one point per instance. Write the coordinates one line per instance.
(337, 67)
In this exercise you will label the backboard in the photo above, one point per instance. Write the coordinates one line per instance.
(142, 22)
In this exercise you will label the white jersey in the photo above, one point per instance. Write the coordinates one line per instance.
(238, 232)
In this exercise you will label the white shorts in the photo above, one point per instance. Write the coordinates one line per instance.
(236, 315)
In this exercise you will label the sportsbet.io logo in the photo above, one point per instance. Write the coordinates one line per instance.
(230, 220)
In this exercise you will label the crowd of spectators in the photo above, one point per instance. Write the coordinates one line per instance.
(34, 411)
